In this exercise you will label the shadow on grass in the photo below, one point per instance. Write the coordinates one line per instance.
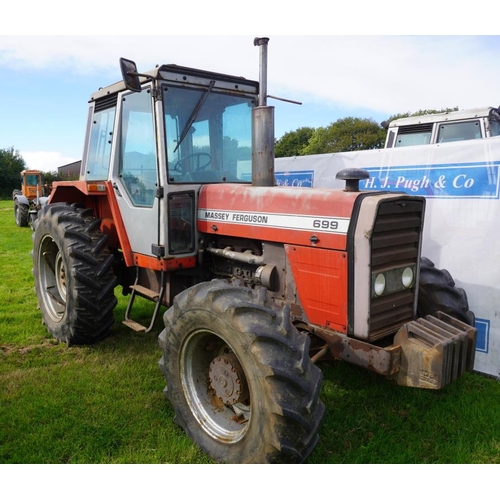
(370, 420)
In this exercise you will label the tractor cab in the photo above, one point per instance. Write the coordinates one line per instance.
(163, 134)
(440, 128)
(202, 121)
(32, 183)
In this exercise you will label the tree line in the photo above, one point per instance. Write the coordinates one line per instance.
(11, 166)
(344, 135)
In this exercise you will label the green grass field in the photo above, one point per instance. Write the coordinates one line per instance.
(104, 404)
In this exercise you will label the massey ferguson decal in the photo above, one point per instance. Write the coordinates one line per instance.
(321, 224)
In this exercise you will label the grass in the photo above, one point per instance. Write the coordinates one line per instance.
(104, 404)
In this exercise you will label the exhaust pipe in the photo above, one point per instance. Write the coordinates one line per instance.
(263, 127)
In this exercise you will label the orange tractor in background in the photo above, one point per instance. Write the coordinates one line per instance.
(28, 200)
(177, 204)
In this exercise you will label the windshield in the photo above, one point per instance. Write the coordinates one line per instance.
(414, 135)
(208, 136)
(32, 180)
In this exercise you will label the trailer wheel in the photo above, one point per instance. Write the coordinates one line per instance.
(437, 292)
(21, 213)
(239, 376)
(73, 274)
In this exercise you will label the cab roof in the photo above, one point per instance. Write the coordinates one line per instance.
(185, 75)
(466, 114)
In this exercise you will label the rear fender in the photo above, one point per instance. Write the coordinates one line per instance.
(21, 199)
(100, 197)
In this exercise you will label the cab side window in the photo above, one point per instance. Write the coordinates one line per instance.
(138, 163)
(465, 131)
(494, 128)
(101, 132)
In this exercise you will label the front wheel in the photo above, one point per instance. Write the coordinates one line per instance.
(437, 292)
(73, 274)
(21, 213)
(239, 375)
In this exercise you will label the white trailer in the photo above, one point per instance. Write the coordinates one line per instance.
(455, 165)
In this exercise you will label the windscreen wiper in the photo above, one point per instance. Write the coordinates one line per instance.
(194, 114)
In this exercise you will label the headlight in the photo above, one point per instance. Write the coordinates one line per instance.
(392, 281)
(407, 277)
(379, 285)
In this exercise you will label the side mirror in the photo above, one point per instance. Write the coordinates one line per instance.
(130, 75)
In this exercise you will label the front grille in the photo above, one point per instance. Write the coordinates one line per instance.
(395, 243)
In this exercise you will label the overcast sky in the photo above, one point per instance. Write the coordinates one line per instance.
(46, 79)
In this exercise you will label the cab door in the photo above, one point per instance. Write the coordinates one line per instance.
(135, 172)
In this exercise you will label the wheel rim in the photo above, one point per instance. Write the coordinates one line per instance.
(52, 279)
(215, 386)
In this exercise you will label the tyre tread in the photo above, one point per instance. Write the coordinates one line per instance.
(293, 382)
(90, 314)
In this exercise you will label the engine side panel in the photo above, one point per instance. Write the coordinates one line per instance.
(321, 281)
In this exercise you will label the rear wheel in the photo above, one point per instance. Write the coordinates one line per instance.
(73, 274)
(21, 213)
(239, 375)
(437, 292)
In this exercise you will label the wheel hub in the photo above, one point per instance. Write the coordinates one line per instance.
(227, 379)
(60, 275)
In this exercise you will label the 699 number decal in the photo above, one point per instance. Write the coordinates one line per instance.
(325, 224)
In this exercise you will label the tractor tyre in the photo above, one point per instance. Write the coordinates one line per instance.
(21, 213)
(31, 220)
(437, 292)
(239, 376)
(73, 274)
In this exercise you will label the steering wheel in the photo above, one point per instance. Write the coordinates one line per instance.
(179, 166)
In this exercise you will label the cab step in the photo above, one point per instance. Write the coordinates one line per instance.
(133, 325)
(145, 292)
(148, 294)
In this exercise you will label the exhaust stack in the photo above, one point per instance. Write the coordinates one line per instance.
(263, 127)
